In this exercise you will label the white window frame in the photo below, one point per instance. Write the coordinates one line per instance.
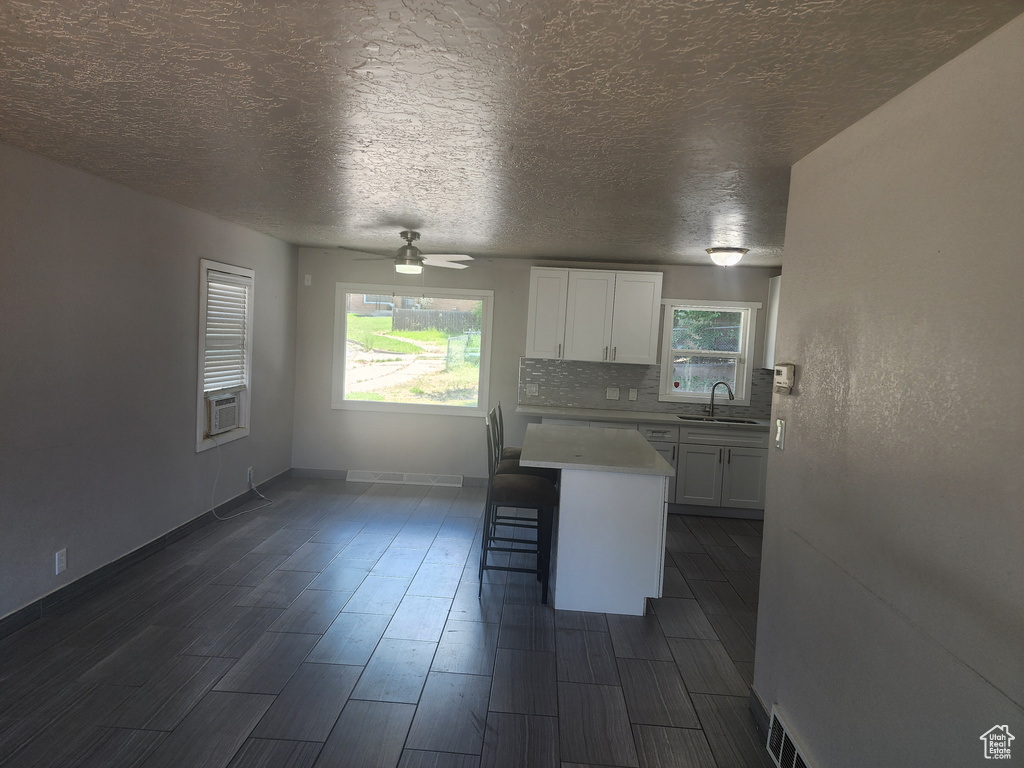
(209, 271)
(744, 359)
(338, 401)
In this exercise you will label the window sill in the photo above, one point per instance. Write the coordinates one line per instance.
(224, 437)
(411, 408)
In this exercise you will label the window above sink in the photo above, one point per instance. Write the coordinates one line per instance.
(703, 343)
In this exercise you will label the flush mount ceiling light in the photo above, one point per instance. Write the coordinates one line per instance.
(726, 257)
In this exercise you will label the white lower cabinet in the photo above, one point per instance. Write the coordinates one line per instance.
(665, 440)
(721, 476)
(699, 475)
(715, 466)
(722, 467)
(745, 477)
(668, 452)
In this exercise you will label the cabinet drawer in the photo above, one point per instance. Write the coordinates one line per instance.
(564, 422)
(740, 438)
(660, 433)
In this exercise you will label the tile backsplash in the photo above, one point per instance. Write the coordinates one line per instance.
(574, 384)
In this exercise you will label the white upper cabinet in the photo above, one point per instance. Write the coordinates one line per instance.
(545, 328)
(594, 314)
(635, 318)
(588, 318)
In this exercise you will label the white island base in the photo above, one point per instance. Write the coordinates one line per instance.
(610, 541)
(609, 537)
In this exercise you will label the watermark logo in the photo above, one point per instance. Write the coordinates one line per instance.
(997, 742)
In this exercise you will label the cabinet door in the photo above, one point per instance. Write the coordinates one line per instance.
(545, 321)
(635, 317)
(668, 452)
(588, 315)
(745, 475)
(699, 474)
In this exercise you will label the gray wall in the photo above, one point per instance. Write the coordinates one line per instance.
(338, 440)
(99, 315)
(891, 622)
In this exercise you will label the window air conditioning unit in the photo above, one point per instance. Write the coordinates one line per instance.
(222, 412)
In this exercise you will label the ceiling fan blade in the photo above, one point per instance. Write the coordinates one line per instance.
(448, 256)
(430, 261)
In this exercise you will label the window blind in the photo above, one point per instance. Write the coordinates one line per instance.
(227, 328)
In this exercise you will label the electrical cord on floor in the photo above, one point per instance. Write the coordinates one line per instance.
(213, 493)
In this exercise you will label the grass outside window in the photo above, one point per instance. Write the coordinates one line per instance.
(416, 352)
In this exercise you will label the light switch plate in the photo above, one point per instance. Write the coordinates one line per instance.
(533, 389)
(309, 279)
(632, 393)
(612, 393)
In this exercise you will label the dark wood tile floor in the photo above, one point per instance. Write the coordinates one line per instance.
(341, 627)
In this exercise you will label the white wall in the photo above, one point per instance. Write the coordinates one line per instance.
(338, 440)
(99, 315)
(891, 621)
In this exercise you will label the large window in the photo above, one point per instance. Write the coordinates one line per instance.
(703, 343)
(424, 350)
(225, 353)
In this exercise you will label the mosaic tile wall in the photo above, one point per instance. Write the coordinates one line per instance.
(572, 384)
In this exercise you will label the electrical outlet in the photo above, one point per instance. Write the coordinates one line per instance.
(60, 559)
(309, 279)
(532, 390)
(632, 393)
(250, 475)
(612, 393)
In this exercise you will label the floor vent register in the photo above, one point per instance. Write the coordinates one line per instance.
(781, 746)
(402, 478)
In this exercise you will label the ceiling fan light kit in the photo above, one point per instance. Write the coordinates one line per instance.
(409, 261)
(726, 257)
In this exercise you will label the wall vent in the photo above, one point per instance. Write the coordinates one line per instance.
(781, 746)
(402, 478)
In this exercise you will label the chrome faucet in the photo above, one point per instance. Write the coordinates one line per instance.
(711, 407)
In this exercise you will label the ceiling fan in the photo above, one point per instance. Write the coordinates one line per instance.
(411, 260)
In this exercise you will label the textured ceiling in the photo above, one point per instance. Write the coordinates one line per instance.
(627, 130)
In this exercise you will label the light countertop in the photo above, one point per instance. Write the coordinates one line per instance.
(591, 448)
(641, 417)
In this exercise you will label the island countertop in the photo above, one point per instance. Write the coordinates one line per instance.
(592, 449)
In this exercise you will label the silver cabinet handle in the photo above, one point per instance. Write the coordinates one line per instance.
(719, 455)
(559, 350)
(674, 446)
(728, 458)
(613, 352)
(606, 353)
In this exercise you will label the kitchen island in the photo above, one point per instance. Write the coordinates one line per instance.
(608, 546)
